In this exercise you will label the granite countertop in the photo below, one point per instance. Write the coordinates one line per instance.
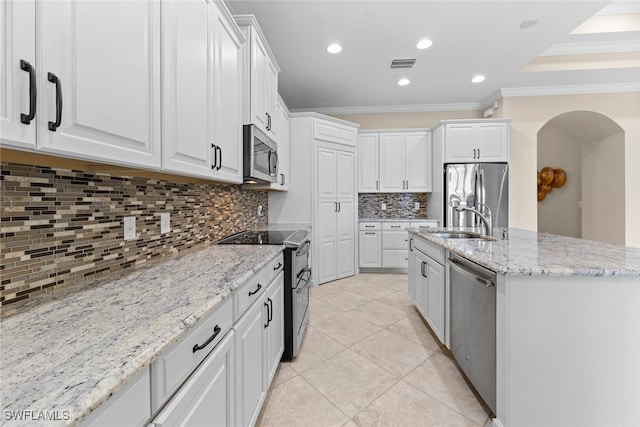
(527, 253)
(71, 352)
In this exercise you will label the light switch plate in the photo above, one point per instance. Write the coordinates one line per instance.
(417, 205)
(383, 206)
(129, 227)
(165, 222)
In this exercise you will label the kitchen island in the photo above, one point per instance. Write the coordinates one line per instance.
(65, 355)
(567, 326)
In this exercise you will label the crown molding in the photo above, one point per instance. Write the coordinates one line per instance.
(420, 108)
(570, 90)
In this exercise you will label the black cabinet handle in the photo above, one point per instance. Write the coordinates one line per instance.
(256, 291)
(422, 269)
(270, 314)
(277, 267)
(266, 324)
(282, 175)
(410, 242)
(339, 207)
(215, 156)
(55, 79)
(26, 118)
(219, 157)
(268, 120)
(478, 153)
(216, 331)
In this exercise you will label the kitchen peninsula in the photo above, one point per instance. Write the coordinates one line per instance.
(567, 325)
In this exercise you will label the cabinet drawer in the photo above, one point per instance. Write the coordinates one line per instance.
(175, 365)
(395, 226)
(334, 132)
(434, 223)
(434, 251)
(370, 226)
(275, 267)
(395, 258)
(245, 295)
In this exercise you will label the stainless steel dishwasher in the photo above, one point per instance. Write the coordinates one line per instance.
(473, 324)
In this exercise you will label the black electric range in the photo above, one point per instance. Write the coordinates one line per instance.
(297, 278)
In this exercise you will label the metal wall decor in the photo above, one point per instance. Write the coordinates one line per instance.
(548, 178)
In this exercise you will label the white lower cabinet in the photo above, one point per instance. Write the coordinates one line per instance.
(130, 406)
(259, 346)
(370, 243)
(427, 284)
(394, 244)
(207, 398)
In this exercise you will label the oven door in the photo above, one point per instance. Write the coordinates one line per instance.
(300, 307)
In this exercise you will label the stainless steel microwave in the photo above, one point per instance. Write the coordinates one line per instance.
(260, 156)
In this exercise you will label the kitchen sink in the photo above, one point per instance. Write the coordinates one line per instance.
(460, 235)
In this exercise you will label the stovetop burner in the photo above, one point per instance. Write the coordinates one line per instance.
(261, 237)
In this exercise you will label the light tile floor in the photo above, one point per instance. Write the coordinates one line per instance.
(368, 359)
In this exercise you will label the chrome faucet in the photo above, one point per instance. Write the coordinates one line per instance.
(485, 218)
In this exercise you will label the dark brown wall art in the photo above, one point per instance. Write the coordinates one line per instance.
(548, 179)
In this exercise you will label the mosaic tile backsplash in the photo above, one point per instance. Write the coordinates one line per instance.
(399, 205)
(62, 227)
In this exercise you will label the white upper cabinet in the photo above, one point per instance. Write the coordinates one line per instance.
(403, 161)
(18, 73)
(202, 130)
(99, 91)
(476, 141)
(260, 78)
(368, 165)
(283, 131)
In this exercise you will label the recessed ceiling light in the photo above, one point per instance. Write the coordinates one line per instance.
(424, 44)
(334, 48)
(528, 24)
(403, 82)
(477, 79)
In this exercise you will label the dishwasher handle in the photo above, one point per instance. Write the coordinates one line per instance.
(469, 274)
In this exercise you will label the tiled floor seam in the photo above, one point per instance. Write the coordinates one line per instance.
(323, 395)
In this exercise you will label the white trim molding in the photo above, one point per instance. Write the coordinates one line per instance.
(472, 106)
(592, 47)
(570, 90)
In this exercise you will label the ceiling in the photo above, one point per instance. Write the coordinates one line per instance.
(469, 38)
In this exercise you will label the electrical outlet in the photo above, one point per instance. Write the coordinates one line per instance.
(383, 206)
(129, 227)
(259, 210)
(165, 222)
(417, 205)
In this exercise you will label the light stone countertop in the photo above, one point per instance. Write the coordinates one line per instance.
(394, 219)
(71, 352)
(527, 253)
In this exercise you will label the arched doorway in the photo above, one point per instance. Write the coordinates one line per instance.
(589, 147)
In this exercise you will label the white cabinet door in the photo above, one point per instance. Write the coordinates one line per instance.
(250, 356)
(460, 142)
(345, 239)
(418, 161)
(271, 96)
(227, 96)
(327, 241)
(275, 326)
(207, 398)
(283, 149)
(392, 179)
(327, 173)
(17, 70)
(492, 144)
(368, 171)
(411, 270)
(344, 175)
(259, 59)
(370, 249)
(105, 58)
(187, 87)
(435, 302)
(420, 281)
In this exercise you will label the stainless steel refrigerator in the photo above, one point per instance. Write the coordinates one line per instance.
(471, 183)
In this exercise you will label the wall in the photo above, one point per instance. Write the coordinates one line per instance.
(422, 119)
(603, 201)
(62, 227)
(559, 212)
(399, 205)
(530, 113)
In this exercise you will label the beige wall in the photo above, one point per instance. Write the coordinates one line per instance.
(559, 212)
(530, 113)
(425, 119)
